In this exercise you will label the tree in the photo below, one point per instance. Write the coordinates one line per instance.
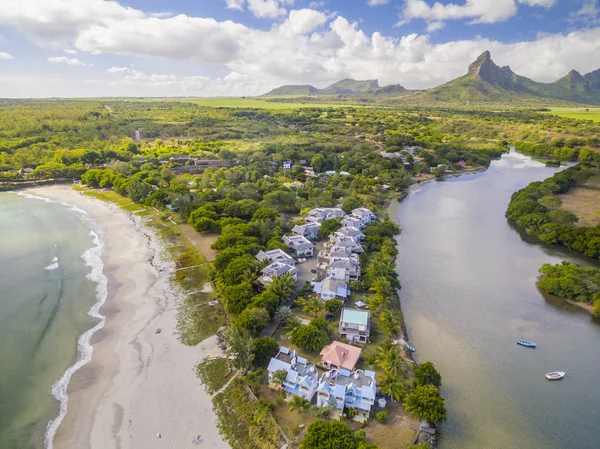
(388, 359)
(388, 323)
(240, 346)
(254, 319)
(425, 402)
(237, 297)
(392, 387)
(314, 305)
(283, 286)
(330, 226)
(329, 435)
(318, 162)
(283, 314)
(298, 403)
(350, 203)
(279, 377)
(264, 349)
(309, 336)
(334, 306)
(426, 374)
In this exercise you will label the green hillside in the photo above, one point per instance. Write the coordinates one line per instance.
(485, 82)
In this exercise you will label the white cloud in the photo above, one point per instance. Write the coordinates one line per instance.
(477, 11)
(306, 47)
(377, 2)
(70, 51)
(264, 9)
(235, 4)
(589, 13)
(4, 55)
(68, 61)
(434, 26)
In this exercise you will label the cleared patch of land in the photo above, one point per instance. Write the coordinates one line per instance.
(584, 201)
(578, 113)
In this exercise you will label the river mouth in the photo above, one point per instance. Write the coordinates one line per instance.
(469, 293)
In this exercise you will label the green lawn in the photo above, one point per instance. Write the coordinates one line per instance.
(578, 113)
(239, 102)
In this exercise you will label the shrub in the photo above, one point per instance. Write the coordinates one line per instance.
(382, 417)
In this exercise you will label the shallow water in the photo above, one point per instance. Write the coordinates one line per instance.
(44, 299)
(468, 293)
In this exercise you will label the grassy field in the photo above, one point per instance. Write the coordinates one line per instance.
(578, 113)
(584, 201)
(237, 102)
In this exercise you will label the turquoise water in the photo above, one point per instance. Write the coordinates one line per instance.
(45, 295)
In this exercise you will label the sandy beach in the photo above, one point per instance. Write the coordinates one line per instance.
(138, 383)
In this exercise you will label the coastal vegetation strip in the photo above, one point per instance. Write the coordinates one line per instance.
(574, 282)
(537, 208)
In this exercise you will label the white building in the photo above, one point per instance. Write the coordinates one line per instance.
(352, 221)
(308, 230)
(321, 214)
(341, 240)
(276, 255)
(344, 389)
(287, 165)
(299, 244)
(275, 270)
(302, 377)
(364, 215)
(330, 288)
(353, 232)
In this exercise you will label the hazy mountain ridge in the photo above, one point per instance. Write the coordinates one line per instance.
(483, 82)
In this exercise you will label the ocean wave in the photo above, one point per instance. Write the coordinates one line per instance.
(93, 259)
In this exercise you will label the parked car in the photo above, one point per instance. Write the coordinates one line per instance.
(314, 270)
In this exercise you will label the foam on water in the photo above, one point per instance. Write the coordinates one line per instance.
(93, 259)
(52, 266)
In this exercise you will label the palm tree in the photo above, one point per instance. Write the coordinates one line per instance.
(389, 361)
(313, 306)
(240, 345)
(392, 387)
(283, 314)
(283, 286)
(388, 323)
(298, 403)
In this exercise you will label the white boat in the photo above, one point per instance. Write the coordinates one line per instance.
(555, 375)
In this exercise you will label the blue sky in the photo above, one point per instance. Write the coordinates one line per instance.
(246, 47)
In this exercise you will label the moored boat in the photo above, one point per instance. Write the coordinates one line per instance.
(555, 375)
(410, 348)
(526, 343)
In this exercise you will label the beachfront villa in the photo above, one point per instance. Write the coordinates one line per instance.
(299, 244)
(351, 231)
(308, 230)
(302, 377)
(330, 288)
(275, 270)
(345, 389)
(339, 239)
(275, 255)
(320, 214)
(340, 355)
(364, 215)
(355, 325)
(351, 221)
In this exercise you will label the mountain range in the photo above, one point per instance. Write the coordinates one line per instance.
(484, 82)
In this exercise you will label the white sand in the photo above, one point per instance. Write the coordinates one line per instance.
(138, 384)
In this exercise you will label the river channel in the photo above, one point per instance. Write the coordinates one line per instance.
(469, 292)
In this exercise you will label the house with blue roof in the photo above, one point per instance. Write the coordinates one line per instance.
(355, 325)
(302, 377)
(340, 388)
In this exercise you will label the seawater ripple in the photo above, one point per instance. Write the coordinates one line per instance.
(93, 259)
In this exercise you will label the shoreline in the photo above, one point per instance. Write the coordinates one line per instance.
(137, 384)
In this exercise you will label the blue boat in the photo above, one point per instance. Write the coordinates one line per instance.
(526, 343)
(411, 348)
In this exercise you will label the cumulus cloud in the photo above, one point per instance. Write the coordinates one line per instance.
(4, 55)
(377, 2)
(306, 47)
(70, 51)
(589, 13)
(68, 61)
(271, 9)
(476, 11)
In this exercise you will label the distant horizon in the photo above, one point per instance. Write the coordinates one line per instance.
(100, 48)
